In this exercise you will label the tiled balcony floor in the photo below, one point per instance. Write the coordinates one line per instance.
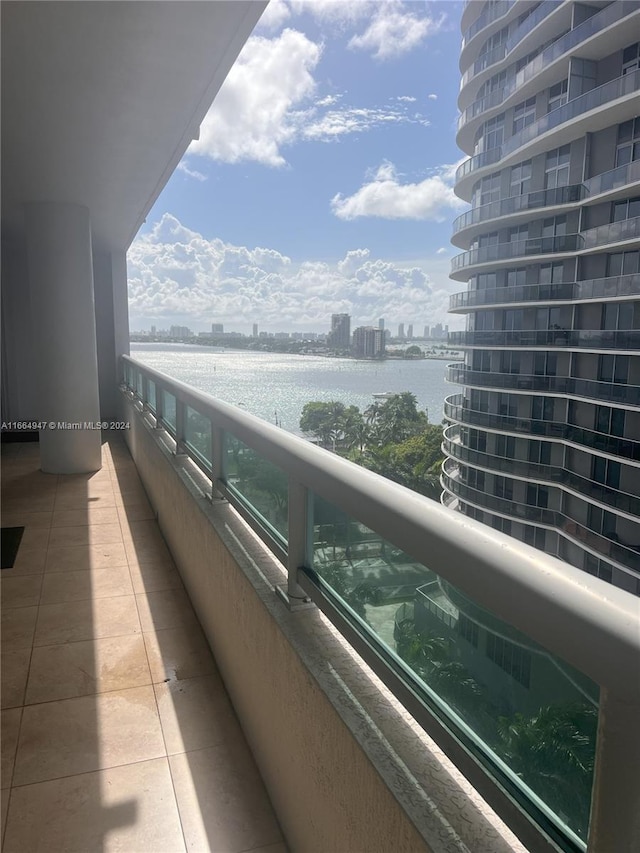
(117, 732)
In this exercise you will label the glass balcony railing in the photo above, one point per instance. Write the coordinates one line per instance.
(628, 395)
(501, 51)
(613, 232)
(518, 203)
(566, 43)
(484, 672)
(614, 498)
(598, 288)
(605, 182)
(522, 338)
(519, 249)
(627, 555)
(456, 410)
(491, 14)
(601, 96)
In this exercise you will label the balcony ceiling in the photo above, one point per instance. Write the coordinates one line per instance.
(101, 99)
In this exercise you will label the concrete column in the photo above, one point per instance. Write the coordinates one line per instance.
(61, 287)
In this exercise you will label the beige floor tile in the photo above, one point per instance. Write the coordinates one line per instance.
(142, 530)
(222, 800)
(27, 520)
(87, 733)
(15, 668)
(152, 577)
(59, 587)
(137, 512)
(18, 626)
(84, 480)
(81, 557)
(95, 534)
(33, 537)
(169, 608)
(79, 517)
(86, 620)
(128, 809)
(10, 730)
(85, 668)
(178, 653)
(137, 497)
(147, 550)
(196, 713)
(31, 560)
(79, 501)
(34, 503)
(23, 591)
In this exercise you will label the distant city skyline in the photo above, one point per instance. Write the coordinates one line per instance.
(322, 185)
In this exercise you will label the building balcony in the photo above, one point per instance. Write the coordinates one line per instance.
(624, 555)
(627, 341)
(456, 410)
(592, 28)
(602, 289)
(493, 12)
(548, 474)
(567, 122)
(609, 234)
(611, 183)
(566, 386)
(519, 43)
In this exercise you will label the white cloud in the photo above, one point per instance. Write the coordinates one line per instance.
(176, 275)
(394, 30)
(385, 197)
(432, 96)
(328, 100)
(336, 123)
(408, 98)
(442, 250)
(251, 116)
(274, 16)
(183, 166)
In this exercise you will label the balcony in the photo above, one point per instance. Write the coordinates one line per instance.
(487, 60)
(611, 181)
(625, 395)
(458, 411)
(603, 96)
(348, 541)
(591, 339)
(593, 26)
(613, 287)
(537, 472)
(625, 555)
(566, 243)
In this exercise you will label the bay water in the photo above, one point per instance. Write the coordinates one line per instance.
(276, 386)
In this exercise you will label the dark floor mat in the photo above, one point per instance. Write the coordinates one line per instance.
(11, 538)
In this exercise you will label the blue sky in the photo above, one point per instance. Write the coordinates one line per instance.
(321, 181)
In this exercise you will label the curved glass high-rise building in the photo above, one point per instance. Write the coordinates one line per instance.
(543, 440)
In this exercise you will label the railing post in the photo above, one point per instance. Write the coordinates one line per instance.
(298, 546)
(159, 406)
(145, 393)
(615, 802)
(217, 458)
(181, 427)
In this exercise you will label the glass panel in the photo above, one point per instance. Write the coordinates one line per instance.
(263, 487)
(138, 385)
(151, 395)
(169, 411)
(198, 434)
(526, 712)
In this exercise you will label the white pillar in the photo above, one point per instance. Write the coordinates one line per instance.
(62, 304)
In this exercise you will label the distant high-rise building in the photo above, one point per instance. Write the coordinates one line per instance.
(410, 331)
(217, 329)
(255, 330)
(368, 342)
(401, 330)
(426, 332)
(340, 335)
(180, 332)
(381, 323)
(544, 435)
